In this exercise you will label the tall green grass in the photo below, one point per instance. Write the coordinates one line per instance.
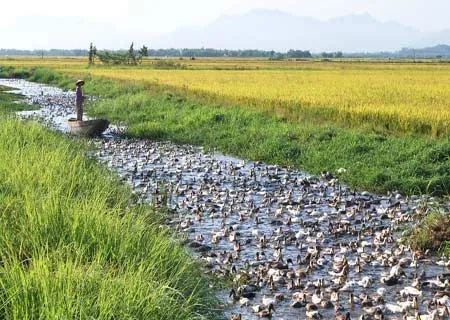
(15, 72)
(11, 102)
(73, 247)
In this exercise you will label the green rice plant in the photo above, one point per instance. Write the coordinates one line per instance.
(73, 245)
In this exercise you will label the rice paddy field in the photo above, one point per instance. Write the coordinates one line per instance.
(384, 121)
(406, 100)
(394, 96)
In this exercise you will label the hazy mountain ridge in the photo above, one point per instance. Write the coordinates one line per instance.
(257, 29)
(439, 51)
(280, 31)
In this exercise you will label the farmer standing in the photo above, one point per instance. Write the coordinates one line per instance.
(79, 100)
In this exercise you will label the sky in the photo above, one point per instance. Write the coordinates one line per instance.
(36, 24)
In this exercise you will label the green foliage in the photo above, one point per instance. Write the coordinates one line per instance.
(72, 247)
(11, 102)
(131, 57)
(298, 54)
(432, 233)
(143, 52)
(92, 53)
(112, 58)
(45, 75)
(17, 73)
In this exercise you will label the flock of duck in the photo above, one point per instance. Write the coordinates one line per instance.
(294, 246)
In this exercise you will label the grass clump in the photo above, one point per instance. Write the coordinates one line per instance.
(15, 72)
(71, 246)
(10, 102)
(432, 233)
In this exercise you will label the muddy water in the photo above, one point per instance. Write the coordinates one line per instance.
(279, 234)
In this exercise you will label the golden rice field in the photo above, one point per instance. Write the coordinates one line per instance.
(401, 97)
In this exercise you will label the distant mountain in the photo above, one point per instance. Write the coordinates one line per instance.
(280, 31)
(257, 29)
(439, 51)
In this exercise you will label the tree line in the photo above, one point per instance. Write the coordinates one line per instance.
(217, 53)
(440, 51)
(121, 55)
(51, 52)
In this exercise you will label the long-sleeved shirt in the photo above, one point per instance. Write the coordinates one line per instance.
(79, 95)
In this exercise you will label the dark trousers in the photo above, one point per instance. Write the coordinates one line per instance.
(79, 110)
